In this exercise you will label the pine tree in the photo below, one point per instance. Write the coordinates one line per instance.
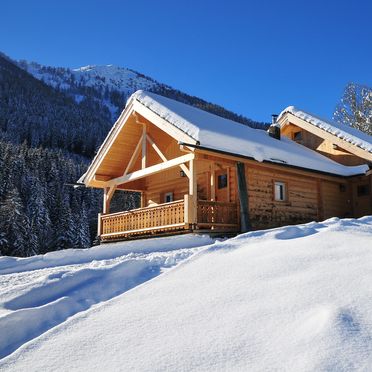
(14, 225)
(83, 234)
(64, 226)
(40, 224)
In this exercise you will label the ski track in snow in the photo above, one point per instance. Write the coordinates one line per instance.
(41, 292)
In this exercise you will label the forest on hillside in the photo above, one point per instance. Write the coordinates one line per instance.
(47, 139)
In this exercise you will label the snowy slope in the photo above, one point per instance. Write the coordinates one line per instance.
(40, 292)
(296, 298)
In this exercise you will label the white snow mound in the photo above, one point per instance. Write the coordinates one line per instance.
(296, 298)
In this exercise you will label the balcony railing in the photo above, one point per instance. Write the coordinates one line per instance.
(162, 217)
(217, 215)
(168, 217)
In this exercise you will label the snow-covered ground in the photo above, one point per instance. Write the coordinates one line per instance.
(40, 292)
(297, 298)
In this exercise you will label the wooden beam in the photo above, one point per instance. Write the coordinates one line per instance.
(193, 192)
(243, 197)
(156, 148)
(163, 157)
(106, 206)
(156, 228)
(99, 225)
(134, 157)
(213, 182)
(142, 199)
(144, 145)
(101, 177)
(107, 196)
(161, 123)
(214, 156)
(106, 145)
(151, 170)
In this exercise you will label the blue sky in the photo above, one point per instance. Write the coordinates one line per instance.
(253, 57)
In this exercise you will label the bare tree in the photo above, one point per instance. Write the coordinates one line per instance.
(355, 108)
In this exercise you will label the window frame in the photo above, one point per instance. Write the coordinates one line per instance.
(170, 194)
(300, 133)
(224, 185)
(284, 193)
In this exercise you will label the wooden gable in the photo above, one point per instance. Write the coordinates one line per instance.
(139, 139)
(323, 142)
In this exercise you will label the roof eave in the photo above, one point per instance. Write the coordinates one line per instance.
(272, 162)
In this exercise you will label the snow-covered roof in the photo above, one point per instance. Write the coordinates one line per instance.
(345, 132)
(217, 133)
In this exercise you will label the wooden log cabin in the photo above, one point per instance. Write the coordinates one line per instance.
(198, 172)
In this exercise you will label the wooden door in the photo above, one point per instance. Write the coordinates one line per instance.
(222, 185)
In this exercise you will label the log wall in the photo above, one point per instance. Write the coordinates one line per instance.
(302, 204)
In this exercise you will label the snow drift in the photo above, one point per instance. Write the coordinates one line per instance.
(296, 298)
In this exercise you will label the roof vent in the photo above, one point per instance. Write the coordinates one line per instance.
(274, 129)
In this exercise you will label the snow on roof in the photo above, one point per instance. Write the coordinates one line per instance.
(217, 133)
(345, 132)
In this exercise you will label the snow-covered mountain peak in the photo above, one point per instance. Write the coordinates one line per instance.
(114, 77)
(109, 85)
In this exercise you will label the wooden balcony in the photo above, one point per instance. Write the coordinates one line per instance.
(173, 217)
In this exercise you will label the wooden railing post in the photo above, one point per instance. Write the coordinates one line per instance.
(193, 191)
(188, 210)
(99, 227)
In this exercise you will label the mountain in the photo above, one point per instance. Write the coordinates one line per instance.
(110, 86)
(52, 121)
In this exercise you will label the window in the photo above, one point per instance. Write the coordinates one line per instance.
(297, 136)
(363, 190)
(168, 197)
(342, 187)
(222, 181)
(280, 191)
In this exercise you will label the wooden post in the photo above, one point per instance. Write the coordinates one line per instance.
(144, 145)
(106, 202)
(99, 226)
(243, 198)
(142, 199)
(193, 192)
(213, 183)
(107, 196)
(186, 209)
